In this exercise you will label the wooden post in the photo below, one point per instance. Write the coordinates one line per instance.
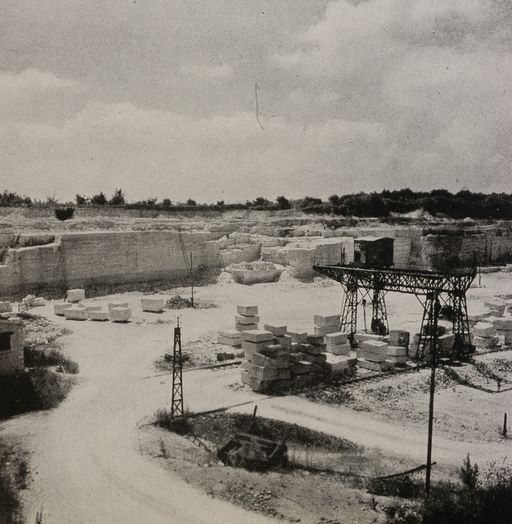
(504, 424)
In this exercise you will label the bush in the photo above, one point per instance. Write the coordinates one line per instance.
(41, 389)
(64, 213)
(181, 425)
(117, 198)
(402, 486)
(49, 357)
(11, 481)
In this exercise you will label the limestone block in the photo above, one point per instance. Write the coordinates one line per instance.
(326, 320)
(241, 319)
(153, 304)
(257, 335)
(275, 350)
(396, 351)
(495, 305)
(246, 365)
(75, 295)
(5, 307)
(114, 305)
(120, 314)
(265, 373)
(315, 359)
(277, 331)
(503, 324)
(302, 367)
(339, 349)
(371, 356)
(250, 348)
(310, 349)
(316, 340)
(98, 315)
(368, 364)
(337, 365)
(75, 313)
(335, 339)
(285, 341)
(484, 329)
(399, 338)
(298, 337)
(397, 360)
(374, 345)
(230, 333)
(247, 311)
(325, 330)
(507, 336)
(59, 308)
(485, 342)
(361, 337)
(246, 327)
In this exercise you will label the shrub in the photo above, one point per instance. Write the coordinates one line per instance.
(64, 213)
(402, 486)
(118, 198)
(99, 200)
(49, 357)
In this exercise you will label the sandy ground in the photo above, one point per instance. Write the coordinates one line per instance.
(88, 464)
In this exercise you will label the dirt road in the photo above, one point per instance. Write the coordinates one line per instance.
(85, 454)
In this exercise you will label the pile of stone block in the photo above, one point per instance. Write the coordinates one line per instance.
(484, 336)
(337, 343)
(398, 346)
(247, 318)
(372, 352)
(324, 325)
(266, 365)
(503, 326)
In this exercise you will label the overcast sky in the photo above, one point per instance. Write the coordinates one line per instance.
(157, 97)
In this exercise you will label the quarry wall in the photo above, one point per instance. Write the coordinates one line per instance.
(81, 259)
(41, 261)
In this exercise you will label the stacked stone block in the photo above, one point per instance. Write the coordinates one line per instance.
(372, 354)
(247, 318)
(484, 336)
(324, 325)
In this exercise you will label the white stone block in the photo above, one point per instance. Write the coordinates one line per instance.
(277, 331)
(241, 319)
(247, 311)
(339, 349)
(75, 313)
(114, 305)
(120, 314)
(153, 304)
(246, 327)
(484, 329)
(326, 320)
(59, 308)
(337, 338)
(321, 331)
(75, 295)
(257, 335)
(98, 315)
(396, 351)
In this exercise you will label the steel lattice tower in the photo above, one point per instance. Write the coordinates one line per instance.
(177, 375)
(348, 321)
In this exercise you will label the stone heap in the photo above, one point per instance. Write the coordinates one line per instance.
(398, 347)
(484, 336)
(324, 325)
(372, 352)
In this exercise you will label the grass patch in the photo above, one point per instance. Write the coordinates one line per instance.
(28, 391)
(181, 426)
(13, 477)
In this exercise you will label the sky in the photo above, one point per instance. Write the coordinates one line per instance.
(157, 97)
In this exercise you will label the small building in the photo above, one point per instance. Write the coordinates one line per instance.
(11, 346)
(373, 252)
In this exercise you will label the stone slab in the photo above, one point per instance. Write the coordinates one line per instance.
(257, 335)
(484, 329)
(120, 314)
(321, 331)
(75, 295)
(298, 336)
(277, 331)
(326, 320)
(247, 311)
(98, 316)
(335, 339)
(241, 319)
(75, 313)
(59, 308)
(339, 349)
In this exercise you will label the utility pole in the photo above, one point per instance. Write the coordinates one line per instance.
(434, 307)
(191, 281)
(177, 375)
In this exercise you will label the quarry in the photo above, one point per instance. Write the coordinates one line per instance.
(280, 399)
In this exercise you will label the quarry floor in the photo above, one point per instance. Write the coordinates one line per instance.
(89, 457)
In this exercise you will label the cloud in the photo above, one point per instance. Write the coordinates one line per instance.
(163, 154)
(33, 95)
(207, 72)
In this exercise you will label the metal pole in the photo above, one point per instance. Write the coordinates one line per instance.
(191, 281)
(434, 313)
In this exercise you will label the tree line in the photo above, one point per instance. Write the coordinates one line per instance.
(438, 202)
